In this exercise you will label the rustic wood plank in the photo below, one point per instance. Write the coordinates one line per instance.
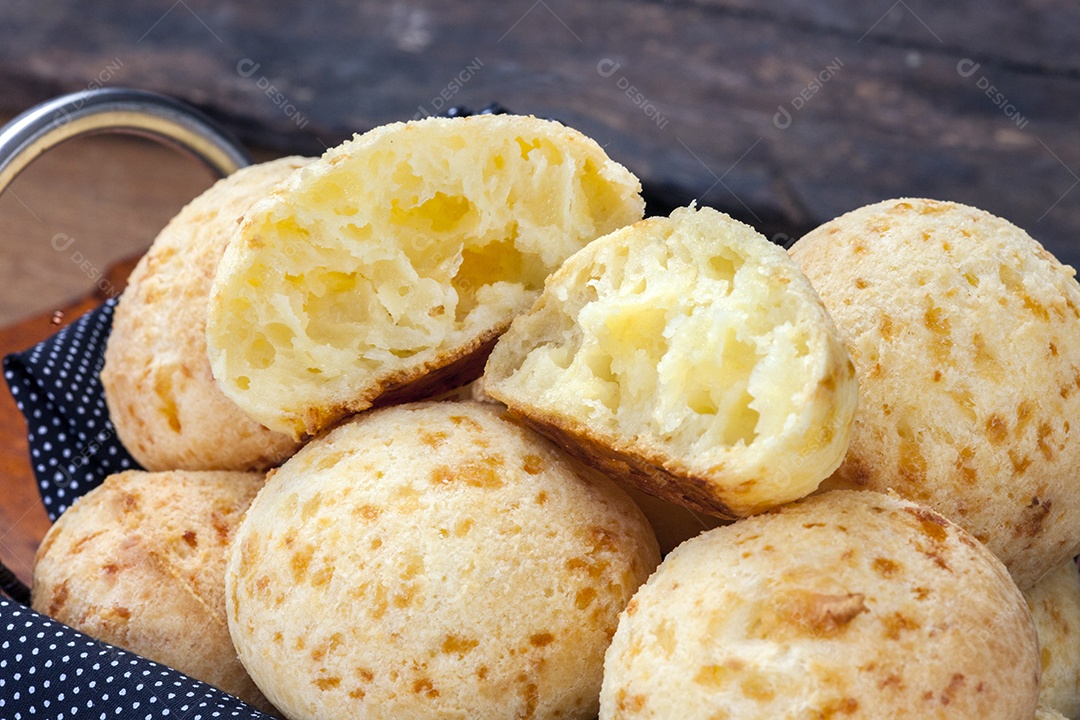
(690, 106)
(1025, 35)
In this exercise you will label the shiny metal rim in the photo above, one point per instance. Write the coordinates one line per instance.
(117, 110)
(111, 110)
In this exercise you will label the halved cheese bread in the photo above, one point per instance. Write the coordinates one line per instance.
(168, 411)
(394, 261)
(689, 356)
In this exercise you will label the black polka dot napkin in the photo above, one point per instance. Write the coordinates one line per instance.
(56, 385)
(48, 670)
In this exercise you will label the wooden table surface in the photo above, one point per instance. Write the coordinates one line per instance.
(784, 114)
(22, 517)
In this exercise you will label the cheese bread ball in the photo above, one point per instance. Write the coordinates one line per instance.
(139, 562)
(689, 356)
(433, 560)
(966, 338)
(386, 269)
(162, 398)
(852, 605)
(1055, 606)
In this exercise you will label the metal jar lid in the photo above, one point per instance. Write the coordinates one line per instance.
(117, 110)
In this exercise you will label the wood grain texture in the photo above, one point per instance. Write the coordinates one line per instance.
(22, 517)
(690, 106)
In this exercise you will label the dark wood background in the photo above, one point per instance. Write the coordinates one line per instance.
(883, 98)
(894, 116)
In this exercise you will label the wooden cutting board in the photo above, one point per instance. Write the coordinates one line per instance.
(22, 517)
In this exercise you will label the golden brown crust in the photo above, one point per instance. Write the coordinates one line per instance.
(441, 375)
(139, 562)
(644, 472)
(966, 338)
(445, 374)
(847, 604)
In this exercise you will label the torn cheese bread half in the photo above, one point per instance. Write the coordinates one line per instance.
(690, 357)
(387, 268)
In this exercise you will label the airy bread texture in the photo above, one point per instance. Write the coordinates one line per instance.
(1045, 713)
(433, 560)
(162, 398)
(966, 338)
(848, 604)
(1055, 606)
(689, 356)
(395, 261)
(139, 562)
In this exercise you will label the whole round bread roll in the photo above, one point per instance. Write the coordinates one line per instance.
(139, 562)
(844, 605)
(966, 338)
(689, 356)
(162, 398)
(1055, 606)
(433, 560)
(386, 269)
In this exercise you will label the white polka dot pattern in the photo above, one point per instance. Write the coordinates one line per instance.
(56, 385)
(48, 670)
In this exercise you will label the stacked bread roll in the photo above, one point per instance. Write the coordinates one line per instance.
(964, 332)
(139, 562)
(484, 552)
(849, 604)
(162, 398)
(434, 560)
